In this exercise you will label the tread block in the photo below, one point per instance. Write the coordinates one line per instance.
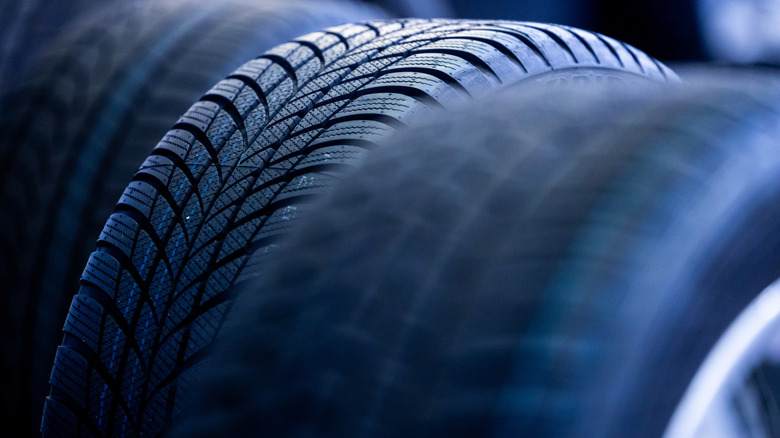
(121, 231)
(85, 321)
(102, 270)
(59, 420)
(177, 141)
(70, 373)
(226, 88)
(158, 167)
(200, 115)
(139, 195)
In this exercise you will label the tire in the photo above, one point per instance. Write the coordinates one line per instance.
(208, 206)
(105, 93)
(555, 264)
(25, 27)
(417, 8)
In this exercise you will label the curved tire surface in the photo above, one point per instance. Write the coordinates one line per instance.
(26, 26)
(99, 98)
(556, 264)
(210, 204)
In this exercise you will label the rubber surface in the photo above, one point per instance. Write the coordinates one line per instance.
(26, 26)
(417, 8)
(210, 203)
(546, 264)
(75, 132)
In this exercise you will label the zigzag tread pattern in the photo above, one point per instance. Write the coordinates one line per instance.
(238, 170)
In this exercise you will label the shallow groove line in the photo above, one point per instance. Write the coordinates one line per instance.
(444, 77)
(306, 150)
(358, 142)
(323, 91)
(412, 92)
(275, 206)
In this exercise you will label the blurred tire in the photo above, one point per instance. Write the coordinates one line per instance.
(552, 265)
(417, 8)
(105, 91)
(211, 202)
(26, 26)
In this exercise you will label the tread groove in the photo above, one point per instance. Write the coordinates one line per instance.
(228, 106)
(496, 45)
(95, 292)
(471, 58)
(633, 56)
(525, 39)
(610, 47)
(339, 36)
(201, 137)
(585, 44)
(83, 349)
(313, 47)
(148, 229)
(449, 80)
(182, 166)
(255, 87)
(284, 64)
(558, 40)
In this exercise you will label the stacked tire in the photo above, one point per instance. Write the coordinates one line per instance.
(215, 199)
(77, 124)
(544, 263)
(394, 227)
